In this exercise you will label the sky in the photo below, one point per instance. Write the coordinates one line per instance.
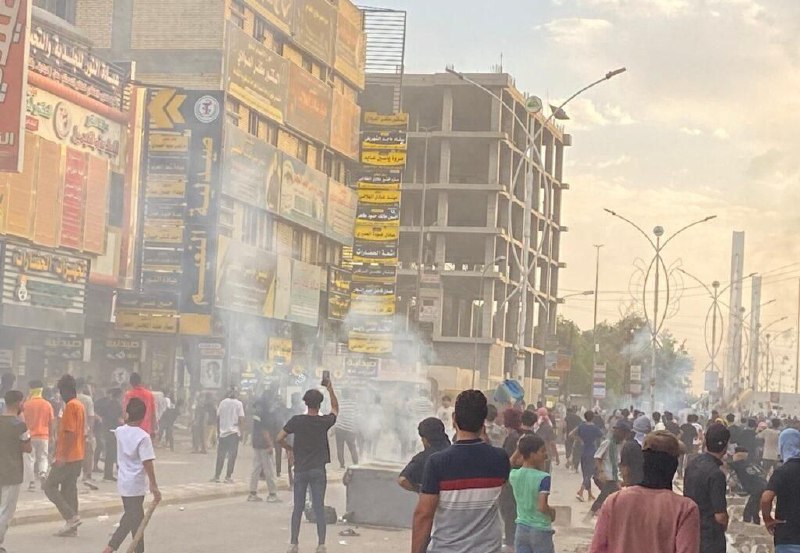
(705, 122)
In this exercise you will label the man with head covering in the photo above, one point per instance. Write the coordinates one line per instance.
(669, 523)
(631, 461)
(434, 438)
(607, 459)
(705, 483)
(784, 485)
(544, 429)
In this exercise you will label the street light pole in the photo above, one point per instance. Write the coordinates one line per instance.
(421, 241)
(595, 345)
(475, 369)
(655, 322)
(797, 345)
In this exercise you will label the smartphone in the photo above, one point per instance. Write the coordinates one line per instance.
(326, 377)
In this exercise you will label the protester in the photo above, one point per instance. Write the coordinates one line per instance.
(544, 429)
(138, 390)
(657, 422)
(166, 423)
(495, 433)
(230, 421)
(457, 510)
(135, 455)
(109, 409)
(512, 420)
(670, 425)
(85, 397)
(15, 442)
(588, 434)
(445, 413)
(607, 458)
(61, 486)
(704, 482)
(631, 461)
(432, 432)
(753, 481)
(310, 453)
(531, 484)
(7, 381)
(571, 422)
(211, 438)
(346, 429)
(688, 437)
(649, 516)
(770, 436)
(39, 417)
(747, 439)
(783, 486)
(263, 450)
(199, 414)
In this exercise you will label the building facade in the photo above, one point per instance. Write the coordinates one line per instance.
(466, 158)
(233, 266)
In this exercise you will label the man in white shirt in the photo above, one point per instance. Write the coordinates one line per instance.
(445, 414)
(230, 421)
(135, 456)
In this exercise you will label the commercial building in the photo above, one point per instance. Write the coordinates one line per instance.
(66, 219)
(466, 158)
(251, 136)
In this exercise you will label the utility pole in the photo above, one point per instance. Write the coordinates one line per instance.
(797, 345)
(595, 345)
(421, 242)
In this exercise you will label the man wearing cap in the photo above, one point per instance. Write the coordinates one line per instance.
(704, 482)
(434, 438)
(631, 462)
(669, 524)
(784, 485)
(607, 460)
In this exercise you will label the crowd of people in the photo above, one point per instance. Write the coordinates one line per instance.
(483, 476)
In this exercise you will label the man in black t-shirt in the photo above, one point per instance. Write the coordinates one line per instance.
(670, 425)
(434, 439)
(783, 486)
(109, 409)
(310, 453)
(687, 435)
(14, 441)
(263, 450)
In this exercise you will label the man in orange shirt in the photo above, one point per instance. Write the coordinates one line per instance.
(39, 417)
(138, 390)
(61, 486)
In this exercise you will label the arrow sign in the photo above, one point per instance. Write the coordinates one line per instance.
(165, 109)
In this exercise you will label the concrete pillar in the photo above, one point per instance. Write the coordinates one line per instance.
(447, 109)
(494, 163)
(444, 166)
(497, 111)
(491, 214)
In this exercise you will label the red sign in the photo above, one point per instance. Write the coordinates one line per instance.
(94, 223)
(15, 16)
(72, 204)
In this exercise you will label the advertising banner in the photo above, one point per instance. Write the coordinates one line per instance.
(49, 182)
(339, 281)
(599, 382)
(375, 215)
(21, 194)
(155, 312)
(379, 179)
(212, 363)
(69, 124)
(303, 194)
(15, 19)
(376, 233)
(279, 350)
(304, 308)
(385, 306)
(374, 273)
(385, 121)
(309, 106)
(383, 197)
(341, 213)
(277, 12)
(68, 62)
(256, 75)
(246, 278)
(283, 294)
(313, 28)
(43, 290)
(383, 158)
(361, 366)
(372, 291)
(384, 140)
(123, 351)
(375, 252)
(380, 323)
(72, 205)
(345, 116)
(252, 170)
(350, 43)
(371, 345)
(96, 205)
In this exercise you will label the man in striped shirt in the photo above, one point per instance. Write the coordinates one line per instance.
(457, 509)
(346, 428)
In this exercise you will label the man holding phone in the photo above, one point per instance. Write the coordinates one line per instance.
(310, 453)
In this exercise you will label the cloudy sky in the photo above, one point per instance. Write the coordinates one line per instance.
(705, 122)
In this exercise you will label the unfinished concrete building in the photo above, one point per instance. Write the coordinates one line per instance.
(473, 214)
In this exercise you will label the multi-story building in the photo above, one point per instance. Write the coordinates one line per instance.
(471, 225)
(284, 78)
(66, 219)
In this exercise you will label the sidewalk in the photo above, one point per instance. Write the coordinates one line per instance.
(182, 476)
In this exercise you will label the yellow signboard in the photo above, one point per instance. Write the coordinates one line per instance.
(130, 321)
(375, 345)
(383, 158)
(379, 196)
(379, 232)
(371, 306)
(374, 119)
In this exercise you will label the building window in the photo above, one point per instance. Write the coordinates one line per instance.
(65, 9)
(302, 151)
(253, 123)
(259, 30)
(272, 133)
(238, 13)
(307, 65)
(232, 111)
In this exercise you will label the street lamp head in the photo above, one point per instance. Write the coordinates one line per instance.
(659, 231)
(715, 284)
(499, 259)
(615, 72)
(454, 72)
(587, 293)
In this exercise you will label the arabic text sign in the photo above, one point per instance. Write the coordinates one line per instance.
(341, 213)
(256, 74)
(309, 106)
(345, 118)
(14, 36)
(303, 194)
(313, 27)
(304, 307)
(252, 170)
(350, 58)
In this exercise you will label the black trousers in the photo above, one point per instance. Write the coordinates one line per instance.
(130, 522)
(346, 437)
(605, 490)
(227, 447)
(508, 512)
(61, 487)
(110, 444)
(752, 508)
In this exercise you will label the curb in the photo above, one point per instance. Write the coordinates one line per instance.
(113, 507)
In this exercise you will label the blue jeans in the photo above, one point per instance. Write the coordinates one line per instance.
(317, 480)
(786, 548)
(531, 540)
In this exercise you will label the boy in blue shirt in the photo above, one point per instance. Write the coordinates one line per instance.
(531, 485)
